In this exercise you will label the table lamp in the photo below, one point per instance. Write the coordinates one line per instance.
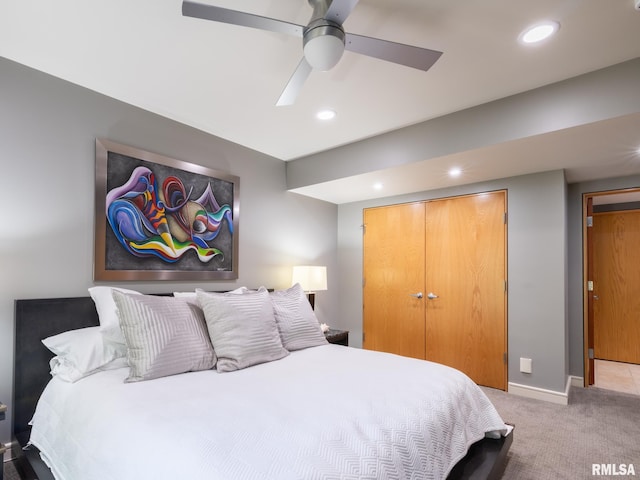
(312, 279)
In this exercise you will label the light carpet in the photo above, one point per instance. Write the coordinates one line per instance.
(564, 441)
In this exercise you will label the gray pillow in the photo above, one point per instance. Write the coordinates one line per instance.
(299, 328)
(242, 329)
(164, 336)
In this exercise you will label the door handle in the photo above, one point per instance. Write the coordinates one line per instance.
(417, 295)
(431, 295)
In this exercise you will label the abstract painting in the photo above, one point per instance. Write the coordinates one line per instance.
(158, 218)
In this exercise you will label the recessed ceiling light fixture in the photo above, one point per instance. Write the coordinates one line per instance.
(538, 32)
(455, 172)
(378, 186)
(326, 114)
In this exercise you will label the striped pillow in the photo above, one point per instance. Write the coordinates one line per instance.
(299, 328)
(164, 336)
(242, 329)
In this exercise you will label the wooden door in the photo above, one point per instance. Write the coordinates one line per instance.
(590, 371)
(466, 269)
(616, 283)
(393, 264)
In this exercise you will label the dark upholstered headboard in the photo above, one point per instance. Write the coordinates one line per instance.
(34, 320)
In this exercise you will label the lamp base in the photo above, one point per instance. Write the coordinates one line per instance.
(312, 299)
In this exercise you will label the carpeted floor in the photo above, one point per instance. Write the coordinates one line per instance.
(557, 442)
(10, 472)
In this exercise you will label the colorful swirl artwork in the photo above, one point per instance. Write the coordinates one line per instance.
(165, 223)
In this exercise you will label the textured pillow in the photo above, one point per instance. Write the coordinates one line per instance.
(81, 352)
(164, 335)
(242, 329)
(299, 328)
(108, 312)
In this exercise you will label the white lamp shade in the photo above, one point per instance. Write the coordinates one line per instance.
(310, 278)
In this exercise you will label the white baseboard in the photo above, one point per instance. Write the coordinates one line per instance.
(560, 398)
(8, 455)
(577, 381)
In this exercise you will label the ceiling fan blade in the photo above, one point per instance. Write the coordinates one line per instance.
(339, 10)
(416, 57)
(218, 14)
(290, 92)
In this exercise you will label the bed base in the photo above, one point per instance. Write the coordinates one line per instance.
(30, 466)
(485, 459)
(36, 319)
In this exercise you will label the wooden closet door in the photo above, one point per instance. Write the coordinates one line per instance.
(466, 269)
(393, 266)
(454, 248)
(616, 280)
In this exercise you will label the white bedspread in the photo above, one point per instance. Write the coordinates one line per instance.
(328, 412)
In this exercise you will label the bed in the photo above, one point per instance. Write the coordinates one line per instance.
(325, 411)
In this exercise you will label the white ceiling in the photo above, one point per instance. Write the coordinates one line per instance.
(225, 79)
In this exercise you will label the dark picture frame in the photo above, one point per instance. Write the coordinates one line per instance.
(158, 218)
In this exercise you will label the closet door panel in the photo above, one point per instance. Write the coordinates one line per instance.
(393, 264)
(466, 268)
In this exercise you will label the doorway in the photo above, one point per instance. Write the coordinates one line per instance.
(611, 301)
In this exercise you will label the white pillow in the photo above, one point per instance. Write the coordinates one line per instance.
(108, 311)
(297, 323)
(81, 352)
(192, 295)
(165, 336)
(242, 329)
(187, 295)
(64, 370)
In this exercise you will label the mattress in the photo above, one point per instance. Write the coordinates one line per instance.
(327, 412)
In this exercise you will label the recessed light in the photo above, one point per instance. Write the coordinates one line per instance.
(326, 114)
(378, 186)
(455, 172)
(539, 32)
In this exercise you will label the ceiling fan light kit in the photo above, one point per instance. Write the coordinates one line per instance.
(323, 44)
(323, 39)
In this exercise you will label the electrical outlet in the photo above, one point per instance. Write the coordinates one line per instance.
(525, 365)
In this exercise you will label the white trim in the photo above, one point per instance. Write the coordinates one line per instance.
(560, 398)
(577, 381)
(8, 455)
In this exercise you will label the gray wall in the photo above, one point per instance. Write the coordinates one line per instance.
(47, 133)
(575, 261)
(554, 107)
(537, 269)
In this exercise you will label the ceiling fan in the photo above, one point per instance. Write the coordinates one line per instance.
(324, 39)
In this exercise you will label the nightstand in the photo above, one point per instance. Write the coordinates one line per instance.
(337, 337)
(3, 409)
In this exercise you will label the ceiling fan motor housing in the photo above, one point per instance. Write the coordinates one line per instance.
(323, 44)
